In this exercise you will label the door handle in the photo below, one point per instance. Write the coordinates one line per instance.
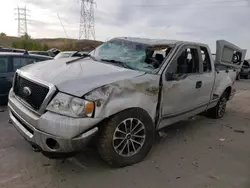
(198, 84)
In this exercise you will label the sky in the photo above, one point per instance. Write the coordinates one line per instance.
(193, 20)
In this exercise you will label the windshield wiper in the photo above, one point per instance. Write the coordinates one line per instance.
(77, 59)
(117, 62)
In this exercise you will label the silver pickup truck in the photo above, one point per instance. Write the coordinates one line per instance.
(119, 96)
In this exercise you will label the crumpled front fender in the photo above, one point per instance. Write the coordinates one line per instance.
(140, 92)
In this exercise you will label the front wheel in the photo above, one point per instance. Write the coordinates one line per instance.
(126, 138)
(219, 110)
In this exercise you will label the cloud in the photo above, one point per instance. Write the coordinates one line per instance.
(199, 20)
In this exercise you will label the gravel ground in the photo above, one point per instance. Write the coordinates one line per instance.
(193, 154)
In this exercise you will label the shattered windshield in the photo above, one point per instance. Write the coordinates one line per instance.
(137, 56)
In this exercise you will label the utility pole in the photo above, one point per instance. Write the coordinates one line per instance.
(87, 20)
(22, 20)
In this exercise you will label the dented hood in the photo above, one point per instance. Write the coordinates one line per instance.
(80, 77)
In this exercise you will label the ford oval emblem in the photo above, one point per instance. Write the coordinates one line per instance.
(26, 91)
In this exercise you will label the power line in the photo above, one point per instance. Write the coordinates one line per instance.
(87, 20)
(62, 25)
(22, 20)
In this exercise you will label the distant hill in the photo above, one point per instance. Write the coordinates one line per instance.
(60, 43)
(6, 41)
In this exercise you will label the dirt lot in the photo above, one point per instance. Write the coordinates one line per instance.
(192, 154)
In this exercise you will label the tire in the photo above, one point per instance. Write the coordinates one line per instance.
(219, 110)
(247, 76)
(124, 151)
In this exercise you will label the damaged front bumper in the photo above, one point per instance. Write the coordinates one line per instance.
(55, 140)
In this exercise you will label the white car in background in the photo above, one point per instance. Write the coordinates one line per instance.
(66, 54)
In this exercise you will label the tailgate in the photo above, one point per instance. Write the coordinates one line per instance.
(229, 54)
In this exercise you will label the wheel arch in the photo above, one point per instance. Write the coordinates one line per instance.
(139, 93)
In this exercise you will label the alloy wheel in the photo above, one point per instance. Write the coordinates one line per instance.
(129, 137)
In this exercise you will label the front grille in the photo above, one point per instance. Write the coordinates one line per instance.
(37, 94)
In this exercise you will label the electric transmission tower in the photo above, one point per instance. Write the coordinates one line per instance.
(22, 20)
(87, 20)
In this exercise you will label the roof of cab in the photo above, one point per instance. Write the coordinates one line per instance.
(152, 42)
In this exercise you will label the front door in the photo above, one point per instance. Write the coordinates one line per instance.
(182, 81)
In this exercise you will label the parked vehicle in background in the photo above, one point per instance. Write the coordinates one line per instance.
(9, 63)
(18, 50)
(245, 70)
(44, 53)
(2, 49)
(12, 50)
(55, 51)
(119, 96)
(67, 54)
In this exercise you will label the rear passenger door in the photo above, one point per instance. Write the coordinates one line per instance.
(208, 76)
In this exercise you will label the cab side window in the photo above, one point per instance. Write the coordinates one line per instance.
(186, 63)
(205, 60)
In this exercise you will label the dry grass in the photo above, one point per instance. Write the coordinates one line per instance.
(60, 43)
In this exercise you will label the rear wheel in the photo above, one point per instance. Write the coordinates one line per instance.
(126, 138)
(219, 110)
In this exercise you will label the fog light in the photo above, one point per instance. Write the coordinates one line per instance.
(52, 144)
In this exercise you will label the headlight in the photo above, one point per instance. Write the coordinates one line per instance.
(71, 106)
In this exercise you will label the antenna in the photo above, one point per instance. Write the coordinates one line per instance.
(62, 25)
(22, 20)
(87, 20)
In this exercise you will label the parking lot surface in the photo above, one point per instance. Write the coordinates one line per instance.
(197, 153)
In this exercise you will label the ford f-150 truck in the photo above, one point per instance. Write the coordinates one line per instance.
(119, 96)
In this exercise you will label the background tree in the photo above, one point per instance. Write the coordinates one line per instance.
(27, 43)
(3, 34)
